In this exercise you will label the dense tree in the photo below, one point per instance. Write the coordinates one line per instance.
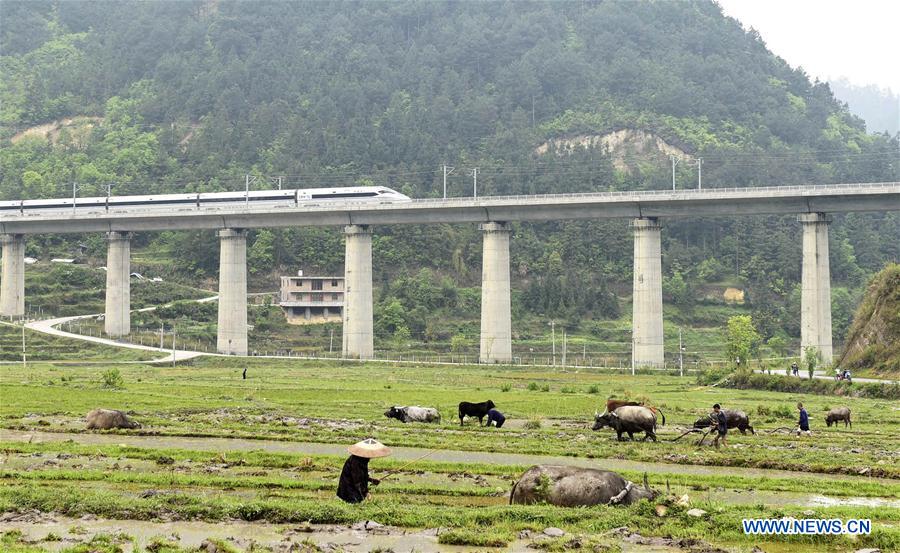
(192, 95)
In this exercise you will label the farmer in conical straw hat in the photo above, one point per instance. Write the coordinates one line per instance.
(353, 486)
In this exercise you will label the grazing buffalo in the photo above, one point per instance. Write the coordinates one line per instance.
(477, 410)
(613, 404)
(413, 413)
(575, 487)
(105, 419)
(628, 420)
(733, 418)
(838, 414)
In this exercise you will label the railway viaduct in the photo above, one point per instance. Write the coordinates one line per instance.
(493, 214)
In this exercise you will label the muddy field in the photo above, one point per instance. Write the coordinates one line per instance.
(253, 464)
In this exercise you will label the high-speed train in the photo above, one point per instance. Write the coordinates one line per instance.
(256, 198)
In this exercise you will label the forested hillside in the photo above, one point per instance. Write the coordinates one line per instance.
(193, 95)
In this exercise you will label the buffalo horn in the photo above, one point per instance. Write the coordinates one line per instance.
(646, 482)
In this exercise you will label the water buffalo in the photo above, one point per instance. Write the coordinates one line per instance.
(613, 404)
(413, 413)
(477, 410)
(105, 419)
(733, 418)
(567, 486)
(628, 420)
(838, 414)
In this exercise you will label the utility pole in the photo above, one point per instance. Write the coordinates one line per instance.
(475, 182)
(680, 355)
(565, 344)
(553, 333)
(632, 357)
(331, 343)
(447, 170)
(74, 192)
(278, 181)
(675, 161)
(24, 361)
(173, 348)
(699, 173)
(248, 180)
(161, 345)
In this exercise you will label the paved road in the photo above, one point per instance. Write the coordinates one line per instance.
(49, 326)
(821, 375)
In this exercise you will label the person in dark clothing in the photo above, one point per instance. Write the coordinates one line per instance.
(804, 420)
(721, 424)
(795, 368)
(496, 417)
(353, 486)
(244, 374)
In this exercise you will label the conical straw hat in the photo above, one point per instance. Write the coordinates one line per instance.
(370, 449)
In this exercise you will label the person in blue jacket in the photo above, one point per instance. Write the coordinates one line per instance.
(804, 420)
(496, 417)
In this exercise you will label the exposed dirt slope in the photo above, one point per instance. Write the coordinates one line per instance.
(874, 339)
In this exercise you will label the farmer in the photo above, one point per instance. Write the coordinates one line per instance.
(795, 368)
(353, 486)
(496, 417)
(804, 420)
(721, 425)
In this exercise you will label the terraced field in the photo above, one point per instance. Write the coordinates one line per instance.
(266, 452)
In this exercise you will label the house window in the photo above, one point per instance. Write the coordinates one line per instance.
(334, 297)
(317, 285)
(334, 284)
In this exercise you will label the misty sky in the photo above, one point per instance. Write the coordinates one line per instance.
(829, 38)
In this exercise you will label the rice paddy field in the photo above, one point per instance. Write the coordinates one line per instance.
(234, 464)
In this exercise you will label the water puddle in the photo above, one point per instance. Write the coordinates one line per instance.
(135, 535)
(310, 448)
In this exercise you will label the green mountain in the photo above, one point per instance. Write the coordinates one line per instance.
(540, 96)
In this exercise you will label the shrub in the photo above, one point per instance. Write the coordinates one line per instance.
(545, 388)
(567, 390)
(532, 424)
(713, 375)
(533, 387)
(811, 359)
(762, 410)
(594, 389)
(505, 388)
(112, 378)
(780, 383)
(783, 411)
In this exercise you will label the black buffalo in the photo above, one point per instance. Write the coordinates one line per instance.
(477, 410)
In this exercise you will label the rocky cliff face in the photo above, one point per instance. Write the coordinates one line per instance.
(874, 339)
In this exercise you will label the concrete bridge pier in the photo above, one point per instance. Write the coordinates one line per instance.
(12, 279)
(496, 318)
(647, 314)
(358, 340)
(815, 298)
(232, 331)
(117, 321)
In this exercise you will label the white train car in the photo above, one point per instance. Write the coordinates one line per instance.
(256, 198)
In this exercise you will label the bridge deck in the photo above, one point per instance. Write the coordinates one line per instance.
(681, 203)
